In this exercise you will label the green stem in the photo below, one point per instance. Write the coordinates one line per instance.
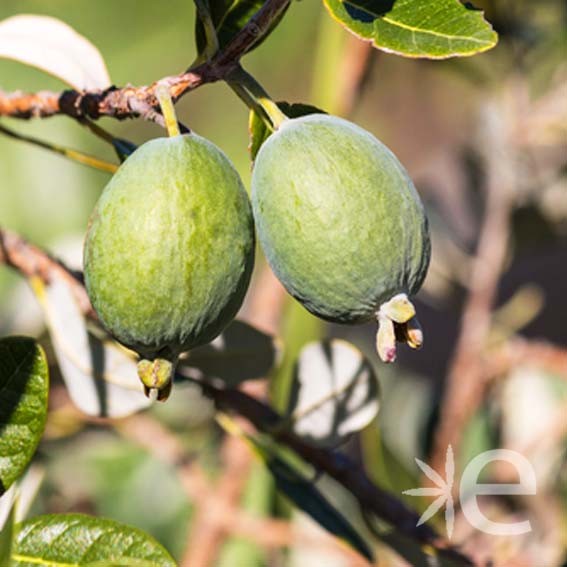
(74, 155)
(204, 14)
(168, 110)
(250, 102)
(259, 95)
(123, 148)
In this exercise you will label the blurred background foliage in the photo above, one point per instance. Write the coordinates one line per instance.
(436, 117)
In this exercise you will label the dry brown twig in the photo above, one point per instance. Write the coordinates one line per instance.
(129, 101)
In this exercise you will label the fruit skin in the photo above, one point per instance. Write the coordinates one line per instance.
(170, 247)
(338, 218)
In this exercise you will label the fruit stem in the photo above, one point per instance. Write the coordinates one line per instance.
(250, 102)
(256, 92)
(168, 110)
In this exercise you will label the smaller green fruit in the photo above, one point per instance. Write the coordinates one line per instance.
(169, 252)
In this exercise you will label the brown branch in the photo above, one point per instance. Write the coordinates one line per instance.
(32, 261)
(465, 386)
(519, 352)
(129, 102)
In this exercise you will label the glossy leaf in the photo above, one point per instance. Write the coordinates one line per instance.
(229, 17)
(433, 29)
(101, 376)
(81, 540)
(258, 130)
(239, 353)
(54, 47)
(334, 392)
(24, 385)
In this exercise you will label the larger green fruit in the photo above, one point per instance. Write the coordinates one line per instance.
(170, 250)
(339, 220)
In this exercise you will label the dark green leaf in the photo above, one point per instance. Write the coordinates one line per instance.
(239, 353)
(24, 387)
(259, 133)
(229, 17)
(433, 29)
(306, 497)
(78, 539)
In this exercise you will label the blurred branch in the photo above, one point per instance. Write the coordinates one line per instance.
(129, 102)
(519, 352)
(334, 463)
(464, 384)
(32, 261)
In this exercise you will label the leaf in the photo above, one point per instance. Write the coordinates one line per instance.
(307, 498)
(24, 385)
(334, 392)
(229, 17)
(239, 353)
(101, 377)
(258, 131)
(78, 539)
(54, 47)
(7, 513)
(433, 29)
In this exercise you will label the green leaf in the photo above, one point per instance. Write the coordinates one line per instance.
(54, 47)
(67, 540)
(7, 529)
(229, 17)
(334, 392)
(24, 385)
(433, 29)
(258, 130)
(306, 497)
(241, 352)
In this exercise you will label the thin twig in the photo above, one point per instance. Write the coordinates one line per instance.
(32, 261)
(130, 101)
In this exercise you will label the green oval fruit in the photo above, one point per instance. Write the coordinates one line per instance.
(169, 251)
(339, 219)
